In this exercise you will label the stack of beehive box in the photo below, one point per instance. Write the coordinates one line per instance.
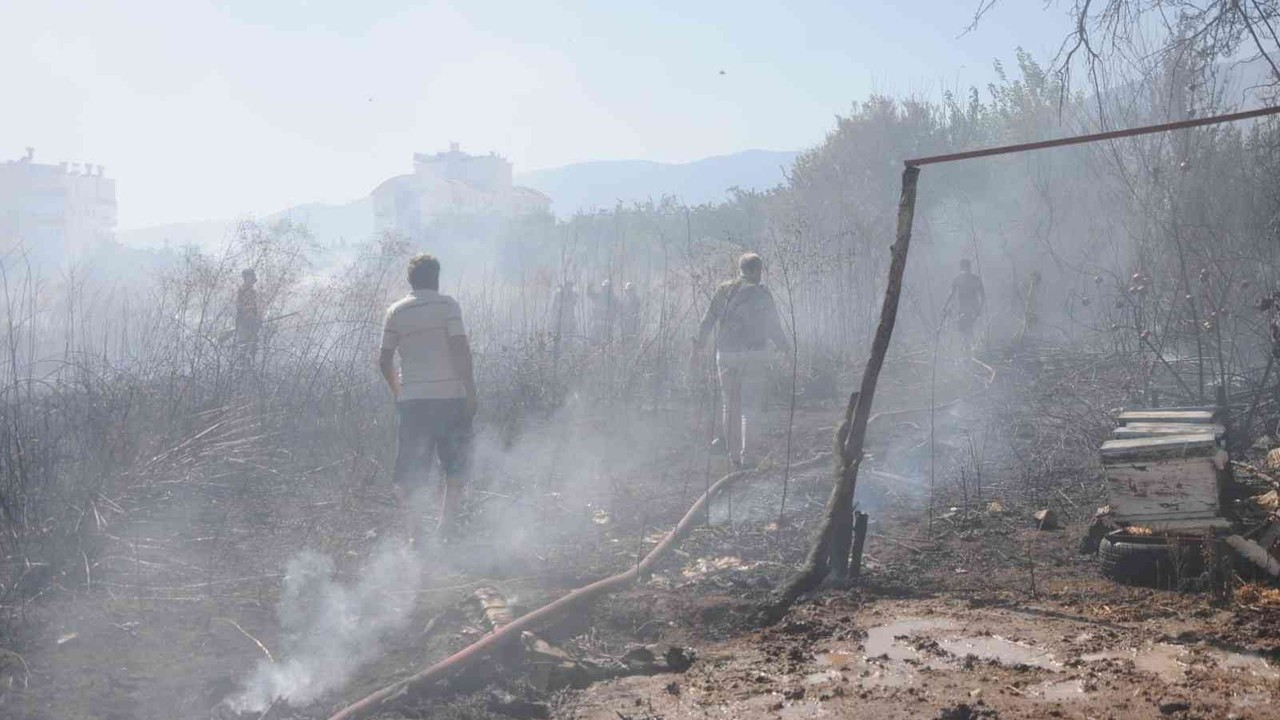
(1165, 469)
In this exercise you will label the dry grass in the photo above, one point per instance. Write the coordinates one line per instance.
(1258, 596)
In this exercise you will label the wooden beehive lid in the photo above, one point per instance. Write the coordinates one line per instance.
(1198, 416)
(1159, 446)
(1179, 526)
(1150, 429)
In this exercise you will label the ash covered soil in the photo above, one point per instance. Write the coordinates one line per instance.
(965, 608)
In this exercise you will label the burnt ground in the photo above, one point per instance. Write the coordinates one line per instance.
(965, 609)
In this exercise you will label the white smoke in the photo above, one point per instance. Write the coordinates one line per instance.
(330, 630)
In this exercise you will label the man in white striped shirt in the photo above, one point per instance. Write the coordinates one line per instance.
(435, 389)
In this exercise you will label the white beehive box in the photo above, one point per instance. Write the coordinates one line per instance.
(1196, 416)
(1152, 429)
(1164, 479)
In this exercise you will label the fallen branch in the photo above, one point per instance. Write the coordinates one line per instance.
(481, 648)
(1256, 472)
(1255, 553)
(255, 640)
(910, 411)
(898, 542)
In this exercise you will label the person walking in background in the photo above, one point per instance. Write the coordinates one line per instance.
(1030, 306)
(744, 318)
(248, 313)
(434, 390)
(563, 320)
(631, 311)
(969, 299)
(603, 309)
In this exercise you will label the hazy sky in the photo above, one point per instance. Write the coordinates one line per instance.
(205, 110)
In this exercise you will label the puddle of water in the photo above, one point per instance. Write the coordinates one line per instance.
(838, 659)
(889, 660)
(1058, 691)
(803, 710)
(1163, 660)
(887, 676)
(882, 640)
(827, 676)
(1160, 659)
(1005, 652)
(1255, 665)
(866, 673)
(1169, 662)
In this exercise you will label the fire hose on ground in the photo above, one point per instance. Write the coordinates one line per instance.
(463, 659)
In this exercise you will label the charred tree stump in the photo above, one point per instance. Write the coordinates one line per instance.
(842, 507)
(859, 542)
(829, 553)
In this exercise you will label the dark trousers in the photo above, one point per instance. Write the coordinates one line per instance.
(430, 429)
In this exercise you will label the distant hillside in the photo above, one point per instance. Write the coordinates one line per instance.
(329, 224)
(572, 188)
(205, 234)
(351, 221)
(602, 185)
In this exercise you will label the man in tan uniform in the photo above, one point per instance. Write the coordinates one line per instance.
(435, 390)
(744, 318)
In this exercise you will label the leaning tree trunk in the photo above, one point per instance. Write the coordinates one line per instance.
(829, 554)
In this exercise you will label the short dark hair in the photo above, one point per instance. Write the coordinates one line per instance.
(750, 264)
(424, 272)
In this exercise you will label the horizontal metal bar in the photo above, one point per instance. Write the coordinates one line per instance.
(1095, 137)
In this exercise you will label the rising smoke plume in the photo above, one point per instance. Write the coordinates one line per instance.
(330, 630)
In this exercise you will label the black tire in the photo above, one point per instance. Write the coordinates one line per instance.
(1151, 561)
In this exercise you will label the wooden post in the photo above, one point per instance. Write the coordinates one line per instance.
(859, 541)
(829, 552)
(851, 452)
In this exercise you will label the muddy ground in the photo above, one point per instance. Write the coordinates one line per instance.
(963, 611)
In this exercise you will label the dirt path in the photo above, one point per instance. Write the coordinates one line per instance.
(947, 659)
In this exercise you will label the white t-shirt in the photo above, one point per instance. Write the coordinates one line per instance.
(419, 325)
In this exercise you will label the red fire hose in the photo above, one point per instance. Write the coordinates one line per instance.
(465, 657)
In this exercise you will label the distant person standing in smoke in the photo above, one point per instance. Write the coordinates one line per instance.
(603, 309)
(745, 319)
(563, 322)
(248, 313)
(1030, 305)
(435, 390)
(969, 299)
(630, 311)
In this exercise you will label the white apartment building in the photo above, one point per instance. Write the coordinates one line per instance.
(55, 211)
(452, 183)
